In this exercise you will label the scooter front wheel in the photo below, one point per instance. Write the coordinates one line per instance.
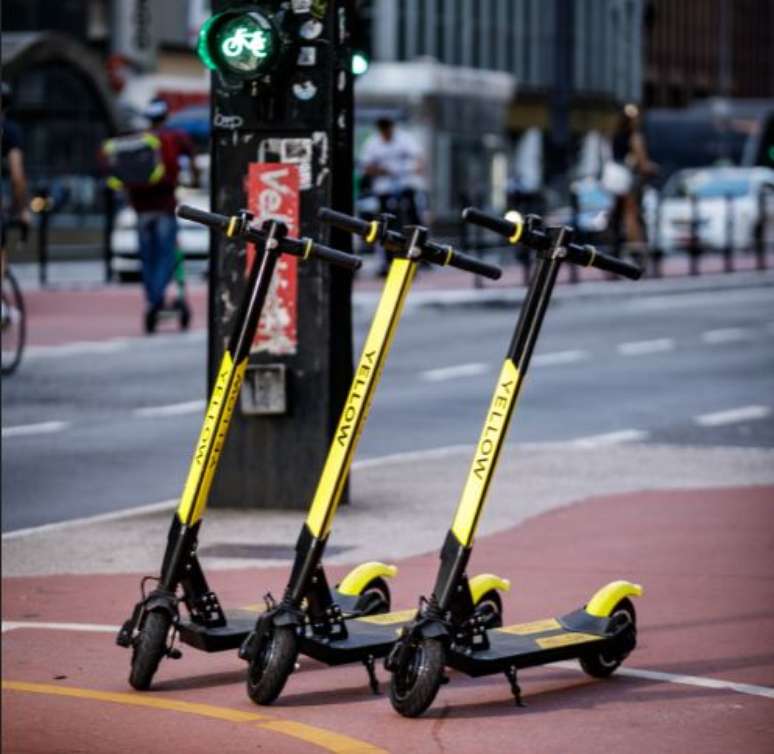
(272, 664)
(604, 664)
(414, 686)
(150, 646)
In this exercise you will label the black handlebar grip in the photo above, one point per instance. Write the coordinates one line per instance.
(334, 256)
(588, 256)
(212, 219)
(348, 223)
(471, 264)
(510, 230)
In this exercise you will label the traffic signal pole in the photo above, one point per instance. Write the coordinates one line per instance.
(282, 122)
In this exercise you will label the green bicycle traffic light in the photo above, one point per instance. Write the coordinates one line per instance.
(242, 43)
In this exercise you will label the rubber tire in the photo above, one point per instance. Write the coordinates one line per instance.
(600, 665)
(269, 669)
(494, 598)
(423, 686)
(149, 647)
(379, 585)
(13, 298)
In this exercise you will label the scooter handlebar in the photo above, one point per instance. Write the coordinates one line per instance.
(499, 225)
(589, 256)
(448, 256)
(348, 223)
(305, 247)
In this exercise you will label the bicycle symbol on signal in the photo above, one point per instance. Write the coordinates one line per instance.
(254, 41)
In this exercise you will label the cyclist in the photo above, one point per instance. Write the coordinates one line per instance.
(156, 220)
(13, 167)
(392, 160)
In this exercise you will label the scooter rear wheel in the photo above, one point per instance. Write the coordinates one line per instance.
(604, 664)
(375, 598)
(272, 664)
(414, 687)
(150, 646)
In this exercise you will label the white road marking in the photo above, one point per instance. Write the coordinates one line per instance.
(732, 416)
(648, 675)
(77, 348)
(770, 327)
(725, 335)
(452, 373)
(683, 680)
(609, 438)
(639, 347)
(558, 357)
(11, 625)
(171, 409)
(42, 428)
(141, 510)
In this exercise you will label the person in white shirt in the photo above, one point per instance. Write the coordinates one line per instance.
(392, 160)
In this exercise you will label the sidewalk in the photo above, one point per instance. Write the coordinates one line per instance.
(78, 306)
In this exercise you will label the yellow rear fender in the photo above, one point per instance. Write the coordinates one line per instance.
(486, 582)
(355, 581)
(606, 598)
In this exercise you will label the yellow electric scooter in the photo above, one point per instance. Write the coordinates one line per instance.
(155, 621)
(603, 632)
(349, 624)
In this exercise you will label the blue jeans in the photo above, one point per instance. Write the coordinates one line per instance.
(158, 237)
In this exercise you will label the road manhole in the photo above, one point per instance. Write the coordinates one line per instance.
(245, 551)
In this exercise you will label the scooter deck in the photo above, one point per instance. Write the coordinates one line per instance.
(370, 636)
(541, 642)
(239, 623)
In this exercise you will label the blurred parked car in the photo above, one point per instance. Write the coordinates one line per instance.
(193, 239)
(591, 217)
(705, 197)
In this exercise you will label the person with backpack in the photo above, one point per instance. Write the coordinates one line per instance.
(147, 166)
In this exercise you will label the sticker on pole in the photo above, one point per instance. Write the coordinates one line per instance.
(273, 194)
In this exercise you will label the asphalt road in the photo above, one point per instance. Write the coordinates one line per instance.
(87, 431)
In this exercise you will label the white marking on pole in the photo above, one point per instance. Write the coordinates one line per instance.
(732, 416)
(42, 428)
(171, 409)
(683, 680)
(451, 373)
(609, 438)
(99, 518)
(725, 335)
(558, 358)
(10, 625)
(640, 347)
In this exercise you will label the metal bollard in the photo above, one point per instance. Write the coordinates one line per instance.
(728, 249)
(760, 231)
(107, 246)
(694, 249)
(41, 206)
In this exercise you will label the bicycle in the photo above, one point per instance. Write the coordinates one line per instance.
(13, 320)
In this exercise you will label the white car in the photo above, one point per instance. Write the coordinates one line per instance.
(193, 239)
(723, 202)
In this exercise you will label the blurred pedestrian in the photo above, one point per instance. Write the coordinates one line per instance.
(17, 208)
(392, 160)
(147, 165)
(625, 175)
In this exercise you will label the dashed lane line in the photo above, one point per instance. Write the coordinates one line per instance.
(559, 358)
(725, 335)
(732, 416)
(96, 628)
(454, 372)
(320, 737)
(41, 428)
(171, 409)
(610, 438)
(641, 347)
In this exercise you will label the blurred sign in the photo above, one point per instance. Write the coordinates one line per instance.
(133, 32)
(273, 194)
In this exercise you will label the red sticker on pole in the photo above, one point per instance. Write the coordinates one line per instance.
(273, 193)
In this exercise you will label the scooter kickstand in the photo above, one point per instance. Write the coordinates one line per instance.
(510, 674)
(373, 681)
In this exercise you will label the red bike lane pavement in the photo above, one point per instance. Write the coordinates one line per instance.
(704, 558)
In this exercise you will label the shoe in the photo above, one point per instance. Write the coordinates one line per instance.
(185, 313)
(151, 319)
